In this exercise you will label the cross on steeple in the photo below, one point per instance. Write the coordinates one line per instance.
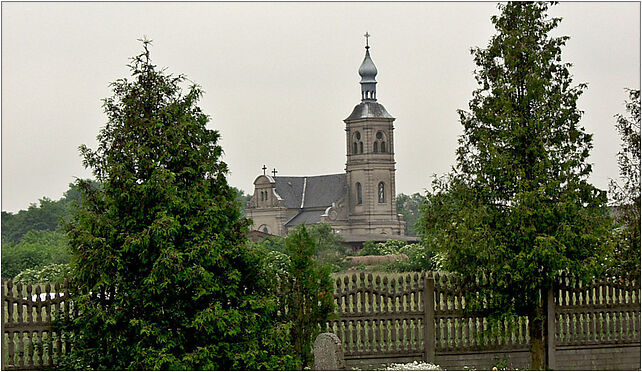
(367, 35)
(274, 172)
(264, 168)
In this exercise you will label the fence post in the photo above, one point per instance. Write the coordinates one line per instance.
(550, 329)
(429, 318)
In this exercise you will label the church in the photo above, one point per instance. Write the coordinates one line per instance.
(359, 204)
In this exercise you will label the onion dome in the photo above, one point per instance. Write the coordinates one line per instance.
(368, 71)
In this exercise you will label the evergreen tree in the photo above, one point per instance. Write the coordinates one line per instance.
(308, 293)
(518, 208)
(161, 275)
(627, 195)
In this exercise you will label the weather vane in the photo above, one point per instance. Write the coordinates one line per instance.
(367, 35)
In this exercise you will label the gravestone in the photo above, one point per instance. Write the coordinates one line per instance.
(328, 353)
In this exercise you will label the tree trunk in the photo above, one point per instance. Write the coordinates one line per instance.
(538, 345)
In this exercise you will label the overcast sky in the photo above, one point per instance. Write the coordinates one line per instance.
(279, 78)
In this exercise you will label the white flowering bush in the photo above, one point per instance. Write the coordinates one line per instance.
(414, 366)
(46, 274)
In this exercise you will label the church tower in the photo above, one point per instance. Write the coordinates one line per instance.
(370, 166)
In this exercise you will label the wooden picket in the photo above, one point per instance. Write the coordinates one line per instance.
(598, 312)
(378, 317)
(459, 330)
(29, 341)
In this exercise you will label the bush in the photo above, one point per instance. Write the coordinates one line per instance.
(419, 257)
(48, 274)
(35, 250)
(308, 289)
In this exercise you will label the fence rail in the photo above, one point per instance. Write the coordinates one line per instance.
(597, 312)
(381, 318)
(29, 340)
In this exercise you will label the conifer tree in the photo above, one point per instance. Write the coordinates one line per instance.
(517, 208)
(161, 276)
(626, 194)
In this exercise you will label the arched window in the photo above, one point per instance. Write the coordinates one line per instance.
(359, 198)
(354, 148)
(382, 192)
(262, 198)
(360, 147)
(375, 148)
(265, 229)
(380, 143)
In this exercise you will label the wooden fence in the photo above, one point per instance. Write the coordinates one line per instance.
(598, 312)
(28, 341)
(382, 318)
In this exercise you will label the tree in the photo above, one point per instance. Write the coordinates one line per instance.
(308, 290)
(35, 250)
(242, 198)
(518, 208)
(329, 246)
(408, 206)
(161, 274)
(627, 195)
(46, 215)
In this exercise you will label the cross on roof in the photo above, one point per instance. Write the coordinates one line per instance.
(367, 35)
(264, 168)
(274, 172)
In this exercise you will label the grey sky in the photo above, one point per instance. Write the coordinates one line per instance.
(279, 78)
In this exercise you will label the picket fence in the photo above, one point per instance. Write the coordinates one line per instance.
(29, 340)
(382, 318)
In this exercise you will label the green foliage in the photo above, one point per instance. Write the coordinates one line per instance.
(46, 215)
(161, 274)
(371, 248)
(408, 206)
(242, 198)
(329, 248)
(518, 206)
(308, 290)
(35, 250)
(420, 258)
(627, 195)
(51, 273)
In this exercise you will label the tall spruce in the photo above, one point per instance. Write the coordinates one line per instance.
(517, 209)
(626, 194)
(162, 278)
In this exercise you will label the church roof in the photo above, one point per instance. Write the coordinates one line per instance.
(311, 192)
(368, 110)
(305, 217)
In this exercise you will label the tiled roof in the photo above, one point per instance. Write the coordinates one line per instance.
(314, 191)
(306, 217)
(290, 189)
(366, 110)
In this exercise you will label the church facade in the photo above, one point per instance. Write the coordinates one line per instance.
(359, 204)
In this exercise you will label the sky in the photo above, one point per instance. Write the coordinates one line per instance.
(279, 78)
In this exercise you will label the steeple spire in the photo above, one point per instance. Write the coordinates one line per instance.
(368, 71)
